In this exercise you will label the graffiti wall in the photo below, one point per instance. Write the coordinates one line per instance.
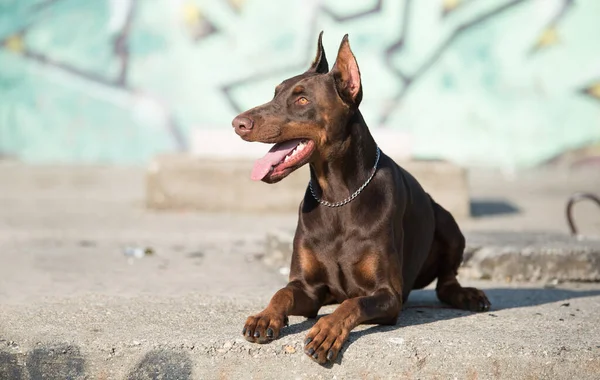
(507, 83)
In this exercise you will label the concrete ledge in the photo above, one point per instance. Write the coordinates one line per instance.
(177, 181)
(531, 257)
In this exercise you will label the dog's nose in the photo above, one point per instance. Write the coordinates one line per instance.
(242, 125)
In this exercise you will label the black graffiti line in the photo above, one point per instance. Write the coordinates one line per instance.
(46, 61)
(399, 44)
(458, 31)
(121, 49)
(121, 45)
(567, 4)
(228, 88)
(172, 125)
(442, 48)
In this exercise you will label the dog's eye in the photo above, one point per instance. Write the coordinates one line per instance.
(302, 101)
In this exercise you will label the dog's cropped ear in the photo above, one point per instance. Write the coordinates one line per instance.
(320, 64)
(347, 75)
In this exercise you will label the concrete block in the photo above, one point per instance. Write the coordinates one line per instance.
(190, 183)
(179, 181)
(511, 256)
(445, 182)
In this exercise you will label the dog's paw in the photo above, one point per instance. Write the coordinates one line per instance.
(324, 341)
(472, 299)
(264, 327)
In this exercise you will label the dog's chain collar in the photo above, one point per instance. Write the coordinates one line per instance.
(351, 197)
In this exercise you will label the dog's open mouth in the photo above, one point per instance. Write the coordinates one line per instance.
(282, 159)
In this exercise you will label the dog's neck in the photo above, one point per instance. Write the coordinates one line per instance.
(349, 164)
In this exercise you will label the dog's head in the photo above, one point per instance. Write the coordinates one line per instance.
(307, 114)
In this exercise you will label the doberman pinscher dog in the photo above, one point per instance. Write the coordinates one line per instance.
(367, 232)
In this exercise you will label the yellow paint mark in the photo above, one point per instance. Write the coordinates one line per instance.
(237, 4)
(15, 43)
(594, 90)
(548, 37)
(191, 14)
(450, 5)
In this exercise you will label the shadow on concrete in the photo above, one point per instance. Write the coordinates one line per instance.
(9, 366)
(161, 364)
(65, 361)
(56, 362)
(59, 361)
(423, 307)
(492, 207)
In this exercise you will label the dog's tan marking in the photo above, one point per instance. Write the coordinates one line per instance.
(312, 269)
(366, 269)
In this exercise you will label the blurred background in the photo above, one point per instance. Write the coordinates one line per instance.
(498, 83)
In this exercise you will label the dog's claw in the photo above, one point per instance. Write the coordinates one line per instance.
(315, 356)
(257, 334)
(269, 332)
(311, 351)
(330, 355)
(307, 341)
(249, 333)
(244, 331)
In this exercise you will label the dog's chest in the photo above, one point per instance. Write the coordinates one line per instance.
(352, 278)
(347, 265)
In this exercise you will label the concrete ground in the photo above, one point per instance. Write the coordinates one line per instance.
(73, 305)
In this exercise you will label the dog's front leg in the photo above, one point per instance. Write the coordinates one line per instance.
(325, 339)
(294, 299)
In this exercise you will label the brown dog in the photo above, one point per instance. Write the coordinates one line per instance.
(367, 231)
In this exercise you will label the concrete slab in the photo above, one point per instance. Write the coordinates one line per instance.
(532, 257)
(530, 333)
(179, 181)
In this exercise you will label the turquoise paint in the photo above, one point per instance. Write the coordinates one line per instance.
(488, 98)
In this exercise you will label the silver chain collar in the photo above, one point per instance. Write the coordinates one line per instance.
(351, 197)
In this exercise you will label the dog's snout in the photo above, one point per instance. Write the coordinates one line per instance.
(242, 125)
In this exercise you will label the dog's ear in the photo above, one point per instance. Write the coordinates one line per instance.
(347, 75)
(320, 64)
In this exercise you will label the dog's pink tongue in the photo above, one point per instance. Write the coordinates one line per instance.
(263, 166)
